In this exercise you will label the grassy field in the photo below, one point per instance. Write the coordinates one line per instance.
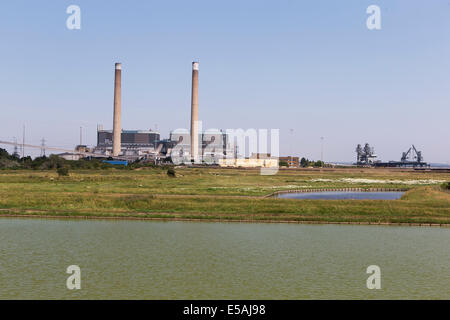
(224, 194)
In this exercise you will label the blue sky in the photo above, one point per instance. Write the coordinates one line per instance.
(310, 66)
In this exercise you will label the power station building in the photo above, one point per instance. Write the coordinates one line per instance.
(133, 142)
(129, 139)
(183, 146)
(213, 145)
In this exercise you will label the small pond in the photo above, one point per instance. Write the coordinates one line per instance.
(343, 195)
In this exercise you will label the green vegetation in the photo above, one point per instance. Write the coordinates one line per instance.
(54, 162)
(225, 194)
(304, 163)
(283, 163)
(446, 185)
(8, 161)
(63, 171)
(171, 172)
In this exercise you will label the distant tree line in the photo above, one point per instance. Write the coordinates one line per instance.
(62, 166)
(304, 163)
(51, 162)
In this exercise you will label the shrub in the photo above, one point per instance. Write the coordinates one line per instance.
(283, 164)
(171, 172)
(63, 171)
(8, 164)
(446, 185)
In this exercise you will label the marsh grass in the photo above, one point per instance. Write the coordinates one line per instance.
(225, 194)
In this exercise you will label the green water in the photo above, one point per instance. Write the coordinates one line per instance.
(187, 260)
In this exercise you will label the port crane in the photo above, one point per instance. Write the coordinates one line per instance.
(414, 156)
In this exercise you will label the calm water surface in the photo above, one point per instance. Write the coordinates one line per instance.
(187, 260)
(336, 195)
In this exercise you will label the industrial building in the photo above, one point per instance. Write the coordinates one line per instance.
(212, 145)
(263, 160)
(183, 146)
(365, 156)
(143, 140)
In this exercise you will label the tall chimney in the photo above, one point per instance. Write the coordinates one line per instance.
(194, 113)
(117, 128)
